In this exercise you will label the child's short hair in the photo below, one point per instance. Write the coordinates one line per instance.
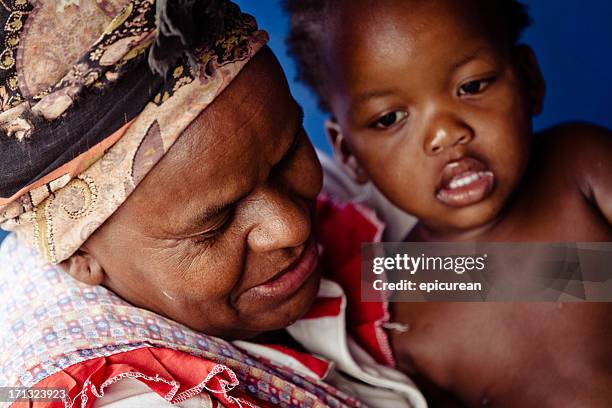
(307, 28)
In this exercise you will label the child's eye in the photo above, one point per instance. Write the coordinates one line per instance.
(389, 120)
(475, 87)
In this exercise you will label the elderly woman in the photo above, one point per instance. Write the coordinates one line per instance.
(161, 191)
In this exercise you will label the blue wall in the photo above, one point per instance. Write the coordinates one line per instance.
(572, 40)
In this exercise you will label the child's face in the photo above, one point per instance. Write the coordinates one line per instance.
(432, 107)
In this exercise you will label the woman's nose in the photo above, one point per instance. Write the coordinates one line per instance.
(279, 221)
(445, 133)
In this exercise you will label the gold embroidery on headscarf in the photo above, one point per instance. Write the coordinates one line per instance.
(78, 197)
(43, 235)
(10, 95)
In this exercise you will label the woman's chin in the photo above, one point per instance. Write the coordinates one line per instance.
(261, 318)
(285, 314)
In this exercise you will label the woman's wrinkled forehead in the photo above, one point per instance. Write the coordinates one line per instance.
(254, 113)
(248, 127)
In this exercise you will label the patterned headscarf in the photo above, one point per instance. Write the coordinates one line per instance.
(82, 124)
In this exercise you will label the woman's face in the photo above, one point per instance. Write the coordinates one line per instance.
(218, 236)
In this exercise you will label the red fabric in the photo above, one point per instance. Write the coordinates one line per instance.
(341, 229)
(187, 371)
(324, 307)
(317, 365)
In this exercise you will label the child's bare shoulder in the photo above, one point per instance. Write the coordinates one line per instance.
(581, 148)
(583, 152)
(575, 139)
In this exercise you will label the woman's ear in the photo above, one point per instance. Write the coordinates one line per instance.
(343, 153)
(532, 75)
(83, 267)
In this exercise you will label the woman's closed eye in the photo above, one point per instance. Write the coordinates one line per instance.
(389, 120)
(475, 87)
(217, 226)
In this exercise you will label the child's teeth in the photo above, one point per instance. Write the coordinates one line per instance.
(465, 180)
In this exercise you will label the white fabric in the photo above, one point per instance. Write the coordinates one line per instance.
(341, 187)
(327, 336)
(131, 393)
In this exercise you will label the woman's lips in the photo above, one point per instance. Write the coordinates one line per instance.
(465, 182)
(292, 278)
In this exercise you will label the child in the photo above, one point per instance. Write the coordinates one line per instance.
(432, 101)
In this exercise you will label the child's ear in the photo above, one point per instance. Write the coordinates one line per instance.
(83, 267)
(342, 152)
(532, 75)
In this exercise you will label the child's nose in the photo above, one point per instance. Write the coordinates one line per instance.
(447, 133)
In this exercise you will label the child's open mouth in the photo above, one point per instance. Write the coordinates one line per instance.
(464, 182)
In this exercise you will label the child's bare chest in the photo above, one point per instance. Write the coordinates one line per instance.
(479, 351)
(547, 211)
